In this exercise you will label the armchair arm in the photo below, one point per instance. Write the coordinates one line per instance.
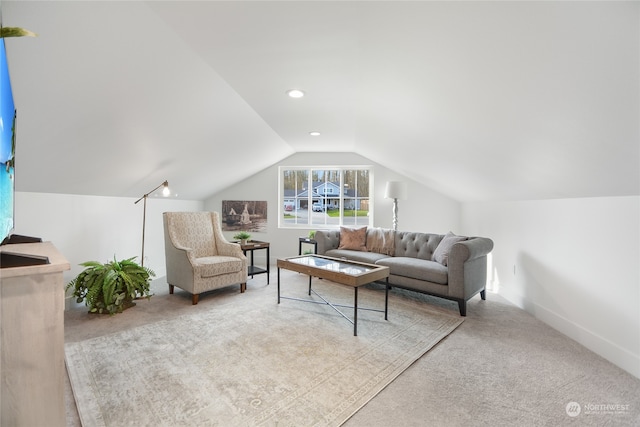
(230, 249)
(182, 248)
(226, 248)
(179, 265)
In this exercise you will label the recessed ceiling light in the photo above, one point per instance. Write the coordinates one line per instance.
(314, 133)
(295, 93)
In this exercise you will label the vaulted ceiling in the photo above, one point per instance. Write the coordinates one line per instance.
(477, 100)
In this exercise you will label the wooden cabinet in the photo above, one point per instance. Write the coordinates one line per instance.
(32, 339)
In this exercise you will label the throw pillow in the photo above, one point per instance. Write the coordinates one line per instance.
(441, 254)
(353, 238)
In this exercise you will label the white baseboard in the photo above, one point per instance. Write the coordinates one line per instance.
(610, 351)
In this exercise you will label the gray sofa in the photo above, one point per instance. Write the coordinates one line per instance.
(456, 270)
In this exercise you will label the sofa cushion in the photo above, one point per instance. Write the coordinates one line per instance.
(211, 266)
(360, 256)
(354, 239)
(416, 268)
(441, 254)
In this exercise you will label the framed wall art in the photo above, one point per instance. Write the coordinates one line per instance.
(244, 215)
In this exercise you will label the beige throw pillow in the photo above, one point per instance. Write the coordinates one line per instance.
(353, 238)
(441, 254)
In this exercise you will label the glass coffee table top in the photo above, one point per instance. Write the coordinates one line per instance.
(330, 264)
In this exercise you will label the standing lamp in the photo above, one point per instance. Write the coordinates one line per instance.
(395, 190)
(165, 193)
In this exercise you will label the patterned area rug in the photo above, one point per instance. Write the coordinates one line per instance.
(252, 362)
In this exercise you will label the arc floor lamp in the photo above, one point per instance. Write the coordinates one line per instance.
(165, 193)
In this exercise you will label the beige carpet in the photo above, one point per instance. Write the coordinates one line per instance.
(250, 361)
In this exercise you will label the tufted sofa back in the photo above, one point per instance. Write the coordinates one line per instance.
(416, 245)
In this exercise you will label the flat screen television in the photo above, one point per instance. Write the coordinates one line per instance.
(7, 148)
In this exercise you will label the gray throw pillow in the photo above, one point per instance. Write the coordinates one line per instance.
(441, 254)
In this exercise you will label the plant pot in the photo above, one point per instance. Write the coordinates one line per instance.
(243, 241)
(107, 287)
(128, 303)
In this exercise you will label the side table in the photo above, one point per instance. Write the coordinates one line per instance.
(251, 246)
(308, 241)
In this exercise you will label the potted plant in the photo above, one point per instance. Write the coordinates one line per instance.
(243, 236)
(111, 287)
(312, 234)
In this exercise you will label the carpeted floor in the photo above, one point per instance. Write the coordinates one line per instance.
(501, 367)
(245, 360)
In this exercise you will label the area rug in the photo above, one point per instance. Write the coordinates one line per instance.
(252, 362)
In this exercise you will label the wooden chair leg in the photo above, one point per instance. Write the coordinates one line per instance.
(171, 289)
(194, 299)
(243, 287)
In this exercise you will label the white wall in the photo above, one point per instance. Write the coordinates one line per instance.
(573, 263)
(92, 228)
(86, 228)
(575, 260)
(424, 210)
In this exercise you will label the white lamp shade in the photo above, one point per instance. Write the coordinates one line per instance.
(395, 190)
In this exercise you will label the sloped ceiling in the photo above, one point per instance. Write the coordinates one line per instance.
(477, 100)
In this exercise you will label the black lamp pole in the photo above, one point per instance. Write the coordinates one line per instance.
(144, 214)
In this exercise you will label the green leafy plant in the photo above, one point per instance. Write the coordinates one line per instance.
(16, 32)
(243, 235)
(312, 234)
(111, 287)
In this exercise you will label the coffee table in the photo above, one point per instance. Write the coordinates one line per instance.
(338, 271)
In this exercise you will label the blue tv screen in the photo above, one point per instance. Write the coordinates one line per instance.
(7, 148)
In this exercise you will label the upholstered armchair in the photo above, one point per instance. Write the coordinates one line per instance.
(198, 256)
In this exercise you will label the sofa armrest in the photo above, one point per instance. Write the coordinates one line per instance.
(327, 239)
(467, 266)
(466, 250)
